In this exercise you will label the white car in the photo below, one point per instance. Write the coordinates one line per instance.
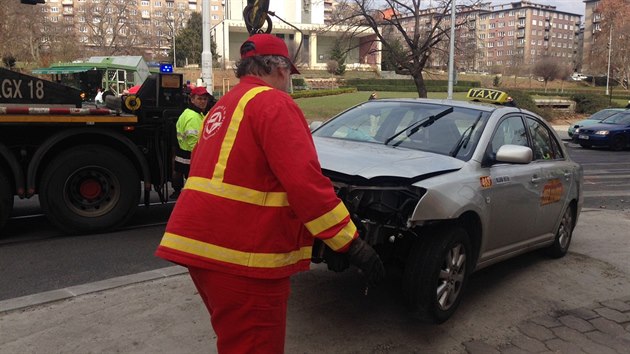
(578, 77)
(442, 188)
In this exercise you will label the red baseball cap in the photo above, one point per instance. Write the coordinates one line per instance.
(266, 44)
(199, 91)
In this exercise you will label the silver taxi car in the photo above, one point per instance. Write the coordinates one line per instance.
(442, 188)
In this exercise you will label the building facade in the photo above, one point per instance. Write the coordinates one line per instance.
(592, 22)
(119, 26)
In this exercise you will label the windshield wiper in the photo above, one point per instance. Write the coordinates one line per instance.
(422, 123)
(465, 138)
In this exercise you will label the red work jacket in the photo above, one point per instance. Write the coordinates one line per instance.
(255, 197)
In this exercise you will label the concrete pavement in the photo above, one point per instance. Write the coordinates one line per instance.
(160, 312)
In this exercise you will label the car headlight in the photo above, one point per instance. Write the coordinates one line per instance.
(601, 132)
(577, 130)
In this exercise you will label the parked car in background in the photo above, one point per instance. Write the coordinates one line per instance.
(593, 119)
(441, 188)
(578, 77)
(612, 132)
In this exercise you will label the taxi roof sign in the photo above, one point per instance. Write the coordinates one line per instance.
(487, 95)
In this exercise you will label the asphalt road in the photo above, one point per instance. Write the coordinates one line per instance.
(35, 257)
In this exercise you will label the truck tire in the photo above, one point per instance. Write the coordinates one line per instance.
(89, 189)
(437, 272)
(6, 199)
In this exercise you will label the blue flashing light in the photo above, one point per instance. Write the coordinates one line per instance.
(166, 68)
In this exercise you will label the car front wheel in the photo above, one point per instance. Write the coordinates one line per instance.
(561, 243)
(437, 272)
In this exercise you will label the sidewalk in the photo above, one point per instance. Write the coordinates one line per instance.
(160, 312)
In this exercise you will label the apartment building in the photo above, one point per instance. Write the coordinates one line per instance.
(134, 26)
(505, 37)
(147, 26)
(592, 22)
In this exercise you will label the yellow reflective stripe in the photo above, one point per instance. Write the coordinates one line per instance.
(247, 259)
(238, 193)
(328, 220)
(230, 136)
(343, 237)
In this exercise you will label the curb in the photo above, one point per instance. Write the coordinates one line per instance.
(77, 290)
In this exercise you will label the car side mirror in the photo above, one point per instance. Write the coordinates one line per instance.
(514, 154)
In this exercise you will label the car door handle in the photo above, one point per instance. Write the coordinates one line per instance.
(536, 179)
(567, 175)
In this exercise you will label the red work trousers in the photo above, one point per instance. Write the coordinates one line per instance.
(248, 314)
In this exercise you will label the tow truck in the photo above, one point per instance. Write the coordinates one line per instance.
(89, 165)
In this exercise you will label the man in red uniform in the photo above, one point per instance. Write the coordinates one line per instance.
(253, 203)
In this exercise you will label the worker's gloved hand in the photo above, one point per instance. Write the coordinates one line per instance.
(365, 258)
(336, 261)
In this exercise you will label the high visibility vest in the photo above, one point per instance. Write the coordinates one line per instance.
(188, 126)
(255, 197)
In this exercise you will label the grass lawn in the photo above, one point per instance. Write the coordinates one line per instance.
(323, 108)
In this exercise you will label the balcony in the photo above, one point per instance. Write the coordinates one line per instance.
(520, 25)
(520, 34)
(521, 15)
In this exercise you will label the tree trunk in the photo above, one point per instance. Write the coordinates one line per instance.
(419, 81)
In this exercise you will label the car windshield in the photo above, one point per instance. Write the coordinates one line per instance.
(423, 126)
(603, 114)
(619, 118)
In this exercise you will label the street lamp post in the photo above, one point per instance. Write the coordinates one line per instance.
(451, 55)
(174, 52)
(609, 51)
(206, 54)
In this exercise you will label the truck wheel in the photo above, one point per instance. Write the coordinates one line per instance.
(6, 199)
(89, 189)
(562, 241)
(437, 272)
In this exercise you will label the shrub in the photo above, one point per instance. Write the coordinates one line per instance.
(496, 82)
(589, 103)
(319, 93)
(525, 101)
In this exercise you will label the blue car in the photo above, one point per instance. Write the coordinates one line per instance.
(594, 119)
(613, 132)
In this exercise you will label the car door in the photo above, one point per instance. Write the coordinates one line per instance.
(555, 179)
(513, 194)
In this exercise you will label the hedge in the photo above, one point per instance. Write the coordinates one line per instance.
(394, 88)
(319, 93)
(407, 82)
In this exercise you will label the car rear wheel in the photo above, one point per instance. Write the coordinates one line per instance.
(437, 272)
(6, 199)
(561, 243)
(89, 189)
(618, 143)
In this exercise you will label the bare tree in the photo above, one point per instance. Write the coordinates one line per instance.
(21, 31)
(420, 30)
(614, 27)
(167, 25)
(549, 69)
(113, 27)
